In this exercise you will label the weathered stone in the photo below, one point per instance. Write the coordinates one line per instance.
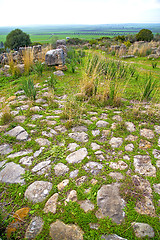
(60, 128)
(149, 134)
(5, 149)
(72, 147)
(74, 173)
(59, 73)
(79, 136)
(157, 129)
(129, 147)
(112, 237)
(86, 205)
(23, 108)
(2, 163)
(130, 126)
(131, 138)
(116, 142)
(43, 142)
(158, 163)
(35, 109)
(72, 196)
(12, 173)
(156, 153)
(101, 123)
(142, 230)
(26, 161)
(118, 165)
(95, 146)
(117, 118)
(157, 188)
(19, 154)
(77, 156)
(42, 165)
(94, 226)
(159, 142)
(51, 204)
(110, 202)
(95, 133)
(79, 129)
(37, 153)
(20, 119)
(93, 167)
(60, 169)
(104, 116)
(62, 184)
(18, 132)
(126, 157)
(36, 116)
(143, 165)
(144, 144)
(38, 191)
(55, 57)
(34, 228)
(59, 230)
(81, 180)
(118, 176)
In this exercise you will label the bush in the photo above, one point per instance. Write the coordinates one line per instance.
(17, 38)
(144, 35)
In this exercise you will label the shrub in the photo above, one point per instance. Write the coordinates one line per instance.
(144, 35)
(17, 38)
(28, 87)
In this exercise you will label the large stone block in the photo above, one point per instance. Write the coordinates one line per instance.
(55, 57)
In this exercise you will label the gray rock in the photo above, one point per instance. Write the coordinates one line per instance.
(131, 138)
(93, 167)
(149, 134)
(102, 123)
(42, 165)
(118, 176)
(60, 128)
(23, 108)
(142, 230)
(72, 196)
(51, 204)
(19, 154)
(36, 116)
(129, 147)
(118, 165)
(142, 164)
(117, 118)
(157, 129)
(156, 153)
(2, 163)
(79, 136)
(116, 142)
(72, 147)
(159, 142)
(79, 129)
(77, 156)
(74, 173)
(20, 119)
(112, 237)
(130, 126)
(95, 146)
(157, 188)
(18, 132)
(59, 73)
(60, 169)
(5, 149)
(34, 228)
(62, 184)
(12, 173)
(55, 57)
(59, 230)
(43, 142)
(81, 180)
(110, 203)
(37, 153)
(95, 133)
(35, 109)
(26, 161)
(38, 191)
(86, 205)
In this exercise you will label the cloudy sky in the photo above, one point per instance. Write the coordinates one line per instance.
(19, 12)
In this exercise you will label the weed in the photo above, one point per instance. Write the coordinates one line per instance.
(6, 115)
(29, 89)
(52, 81)
(38, 68)
(149, 87)
(154, 64)
(28, 60)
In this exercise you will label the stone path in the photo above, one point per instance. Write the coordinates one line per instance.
(89, 153)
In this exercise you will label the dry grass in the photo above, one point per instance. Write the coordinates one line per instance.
(28, 59)
(6, 115)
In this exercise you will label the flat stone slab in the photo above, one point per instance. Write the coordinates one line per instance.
(110, 202)
(117, 118)
(116, 142)
(116, 175)
(112, 237)
(95, 146)
(43, 142)
(62, 184)
(149, 134)
(79, 136)
(129, 147)
(142, 164)
(51, 204)
(38, 191)
(34, 228)
(12, 173)
(18, 132)
(93, 167)
(72, 147)
(86, 205)
(41, 166)
(5, 149)
(60, 169)
(77, 156)
(59, 230)
(80, 129)
(19, 154)
(101, 123)
(118, 165)
(142, 230)
(130, 126)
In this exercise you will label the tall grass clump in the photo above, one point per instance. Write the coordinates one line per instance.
(52, 81)
(29, 89)
(6, 114)
(38, 68)
(13, 69)
(149, 87)
(28, 59)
